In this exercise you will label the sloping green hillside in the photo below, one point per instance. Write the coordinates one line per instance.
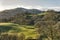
(28, 31)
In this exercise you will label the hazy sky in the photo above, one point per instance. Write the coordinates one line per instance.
(38, 4)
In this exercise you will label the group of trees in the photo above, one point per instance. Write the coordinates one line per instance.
(49, 26)
(14, 37)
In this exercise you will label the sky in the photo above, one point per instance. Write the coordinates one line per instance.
(30, 4)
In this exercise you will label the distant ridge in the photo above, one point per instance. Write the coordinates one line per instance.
(12, 12)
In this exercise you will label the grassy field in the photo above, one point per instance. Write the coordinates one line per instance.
(11, 28)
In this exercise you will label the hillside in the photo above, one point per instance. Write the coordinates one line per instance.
(30, 23)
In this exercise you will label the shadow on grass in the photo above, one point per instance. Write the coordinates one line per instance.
(8, 28)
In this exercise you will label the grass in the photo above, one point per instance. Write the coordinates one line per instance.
(42, 13)
(11, 28)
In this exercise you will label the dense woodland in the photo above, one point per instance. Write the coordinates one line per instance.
(46, 23)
